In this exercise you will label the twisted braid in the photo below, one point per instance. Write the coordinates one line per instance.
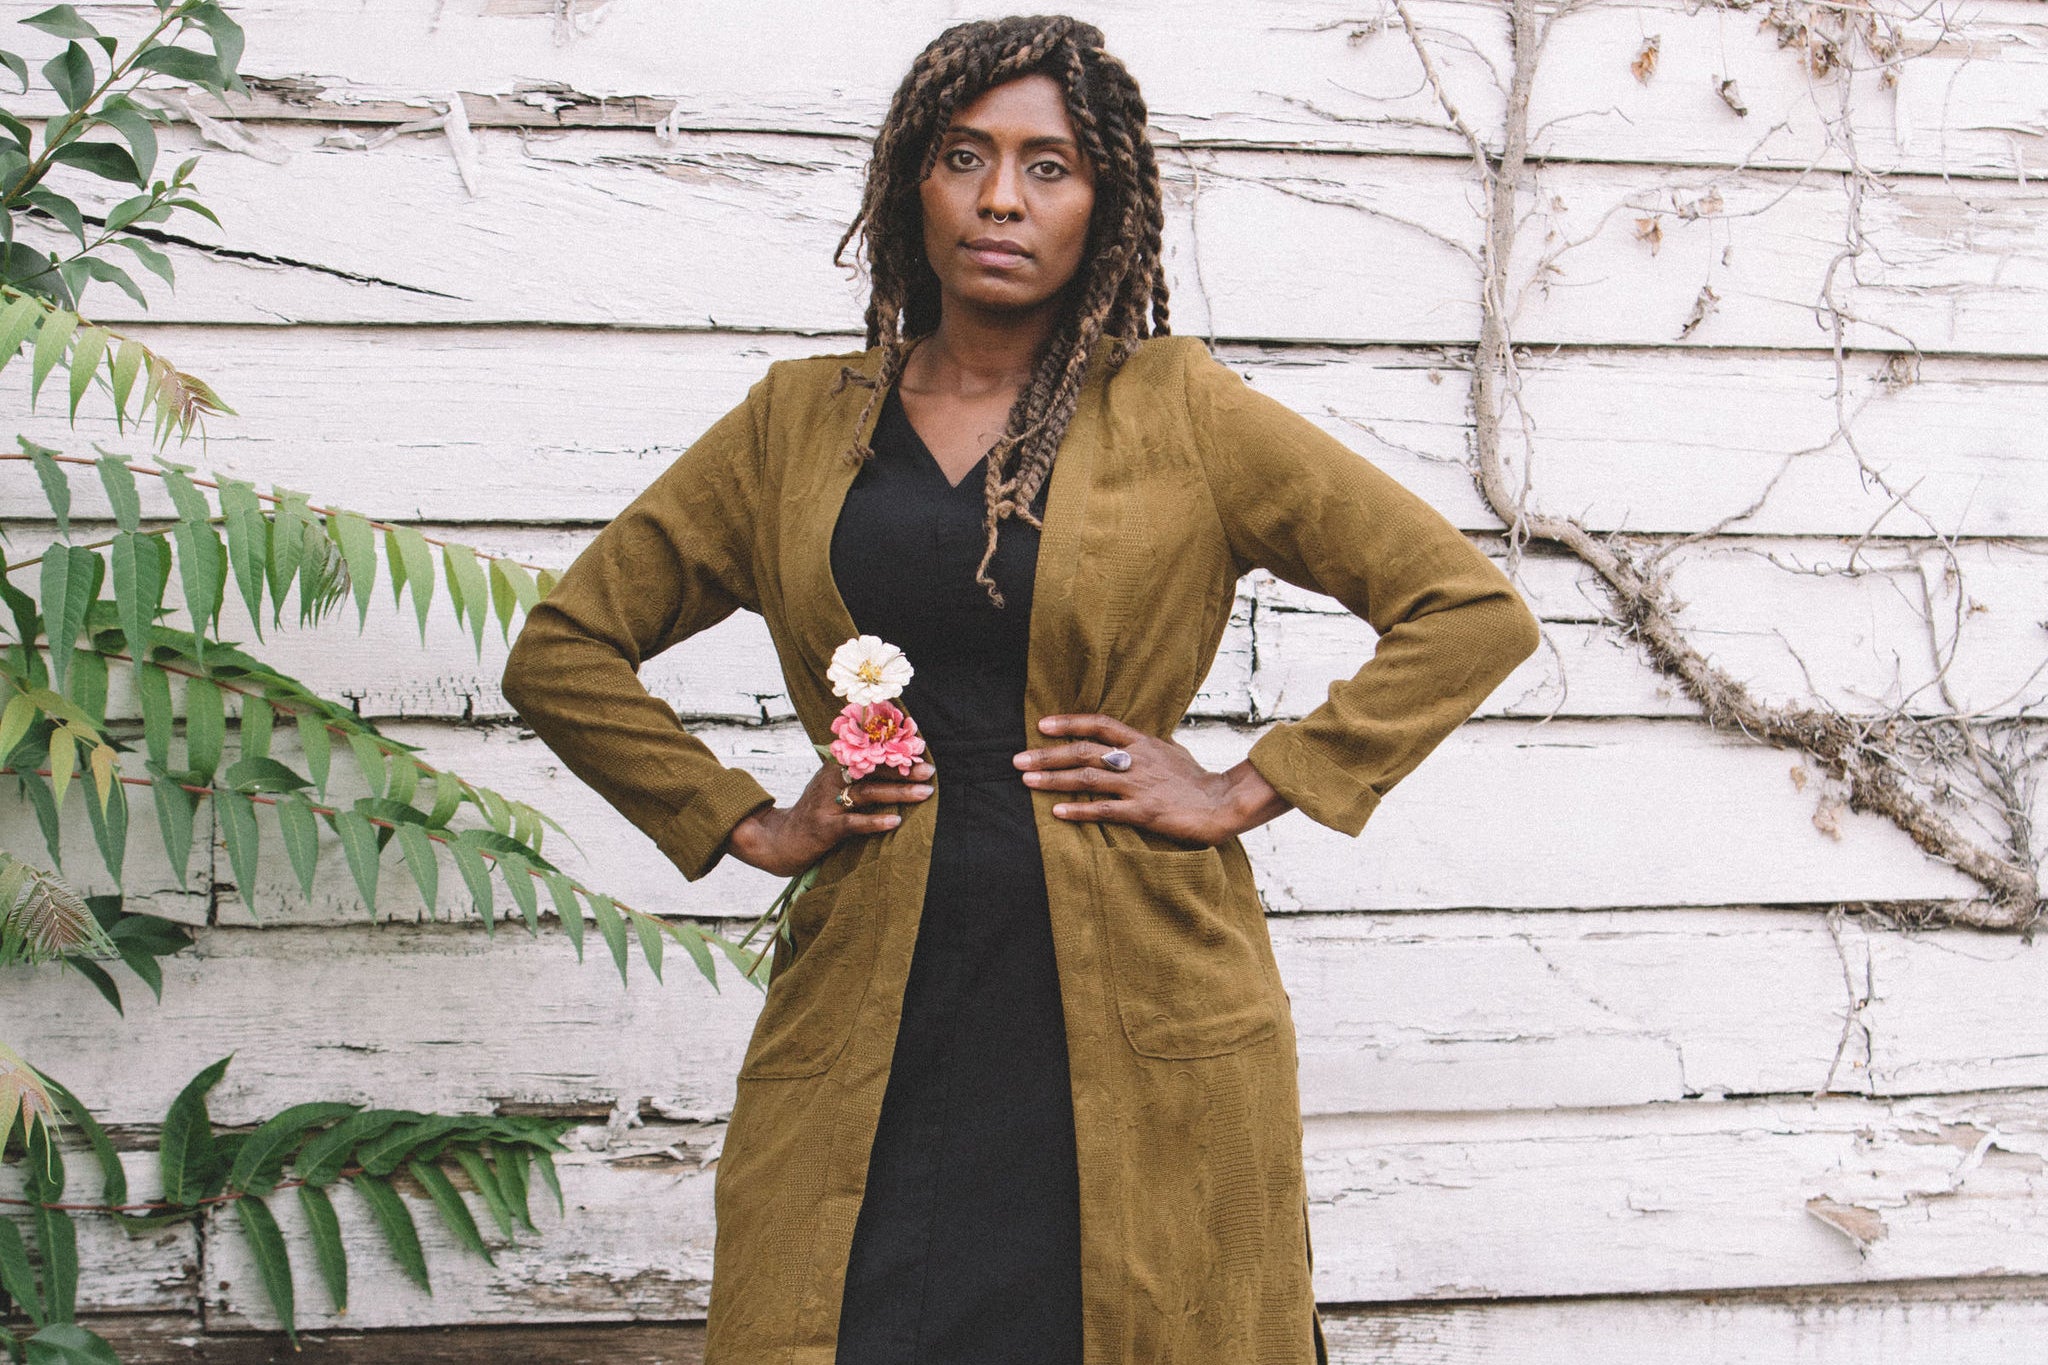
(1120, 293)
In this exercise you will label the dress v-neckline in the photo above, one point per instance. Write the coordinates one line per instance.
(931, 460)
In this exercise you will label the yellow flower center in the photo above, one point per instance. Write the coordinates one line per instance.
(869, 672)
(880, 726)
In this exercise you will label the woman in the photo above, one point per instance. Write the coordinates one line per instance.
(1023, 1087)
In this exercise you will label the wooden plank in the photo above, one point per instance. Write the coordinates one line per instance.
(1643, 441)
(155, 1271)
(750, 222)
(1657, 1199)
(1669, 1197)
(1422, 1012)
(1993, 1322)
(1313, 73)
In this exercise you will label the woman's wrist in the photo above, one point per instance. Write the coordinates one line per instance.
(1249, 800)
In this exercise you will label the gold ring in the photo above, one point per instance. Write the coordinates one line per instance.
(845, 797)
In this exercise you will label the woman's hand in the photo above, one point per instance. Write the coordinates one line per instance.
(1164, 790)
(786, 841)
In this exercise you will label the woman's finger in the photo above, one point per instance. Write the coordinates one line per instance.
(1108, 729)
(1083, 779)
(1087, 752)
(869, 792)
(1118, 812)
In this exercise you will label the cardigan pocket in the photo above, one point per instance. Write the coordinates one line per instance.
(813, 1002)
(1188, 976)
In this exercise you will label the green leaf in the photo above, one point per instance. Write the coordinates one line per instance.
(566, 909)
(202, 569)
(119, 481)
(609, 925)
(206, 727)
(56, 485)
(325, 1230)
(467, 586)
(518, 875)
(70, 75)
(107, 160)
(417, 562)
(14, 723)
(185, 1147)
(153, 691)
(258, 719)
(477, 876)
(500, 845)
(301, 837)
(385, 1154)
(101, 982)
(113, 1175)
(127, 361)
(57, 1244)
(545, 1164)
(50, 344)
(71, 578)
(110, 827)
(86, 354)
(395, 1221)
(16, 1278)
(107, 271)
(174, 810)
(238, 829)
(273, 1263)
(486, 1181)
(359, 551)
(447, 799)
(692, 939)
(20, 70)
(321, 1160)
(448, 1200)
(404, 775)
(650, 941)
(154, 261)
(316, 744)
(138, 588)
(63, 210)
(225, 32)
(21, 318)
(359, 844)
(258, 774)
(180, 63)
(259, 1165)
(61, 21)
(287, 545)
(248, 543)
(511, 1171)
(66, 1343)
(418, 848)
(124, 118)
(370, 759)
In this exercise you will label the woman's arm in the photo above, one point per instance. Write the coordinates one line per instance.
(1297, 501)
(678, 560)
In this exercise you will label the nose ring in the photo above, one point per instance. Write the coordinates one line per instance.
(1001, 217)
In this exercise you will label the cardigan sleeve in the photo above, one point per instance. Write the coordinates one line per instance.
(1295, 500)
(679, 559)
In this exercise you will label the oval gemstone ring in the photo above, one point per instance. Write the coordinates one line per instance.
(1117, 760)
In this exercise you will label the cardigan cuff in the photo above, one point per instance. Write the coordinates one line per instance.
(694, 839)
(1324, 791)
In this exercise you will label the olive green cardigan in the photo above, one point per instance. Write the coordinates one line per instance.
(1174, 479)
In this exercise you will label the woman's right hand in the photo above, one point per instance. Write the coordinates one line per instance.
(785, 841)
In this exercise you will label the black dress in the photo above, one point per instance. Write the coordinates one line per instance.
(967, 1248)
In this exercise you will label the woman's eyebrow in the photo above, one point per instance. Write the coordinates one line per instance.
(1066, 144)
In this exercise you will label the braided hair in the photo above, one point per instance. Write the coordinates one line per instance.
(1119, 280)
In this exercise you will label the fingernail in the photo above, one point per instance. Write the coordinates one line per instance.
(922, 790)
(1033, 779)
(892, 820)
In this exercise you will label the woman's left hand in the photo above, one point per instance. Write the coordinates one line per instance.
(1164, 789)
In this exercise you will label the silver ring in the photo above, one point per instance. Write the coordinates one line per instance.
(1117, 760)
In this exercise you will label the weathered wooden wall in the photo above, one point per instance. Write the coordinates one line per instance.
(1611, 1075)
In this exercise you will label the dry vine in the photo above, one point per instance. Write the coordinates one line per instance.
(1879, 757)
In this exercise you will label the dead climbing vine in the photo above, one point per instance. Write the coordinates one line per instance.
(1888, 762)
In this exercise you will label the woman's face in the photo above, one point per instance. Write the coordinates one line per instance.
(1007, 203)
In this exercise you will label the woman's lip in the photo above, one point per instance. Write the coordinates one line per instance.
(998, 255)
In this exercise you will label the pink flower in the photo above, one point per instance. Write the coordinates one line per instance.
(873, 736)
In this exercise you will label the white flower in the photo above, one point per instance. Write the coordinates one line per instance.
(868, 669)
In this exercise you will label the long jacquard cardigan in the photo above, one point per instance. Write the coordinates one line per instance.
(1173, 480)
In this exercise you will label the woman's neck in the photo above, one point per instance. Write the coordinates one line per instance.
(970, 355)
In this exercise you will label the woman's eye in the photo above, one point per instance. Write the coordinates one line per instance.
(1048, 170)
(960, 159)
